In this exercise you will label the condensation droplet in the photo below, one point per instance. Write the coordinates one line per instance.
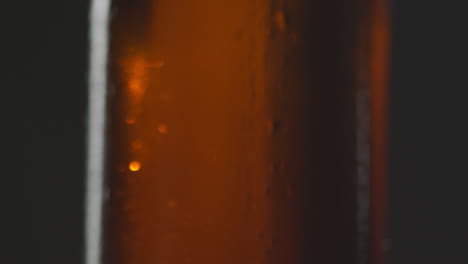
(162, 128)
(273, 127)
(280, 21)
(137, 144)
(130, 121)
(134, 166)
(172, 204)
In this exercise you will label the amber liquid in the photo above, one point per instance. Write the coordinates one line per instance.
(232, 132)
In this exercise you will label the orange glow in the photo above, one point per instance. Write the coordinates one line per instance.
(162, 128)
(134, 166)
(172, 204)
(130, 121)
(137, 72)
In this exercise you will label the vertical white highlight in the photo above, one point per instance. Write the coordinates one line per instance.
(98, 46)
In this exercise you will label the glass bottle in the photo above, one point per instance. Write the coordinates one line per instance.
(237, 131)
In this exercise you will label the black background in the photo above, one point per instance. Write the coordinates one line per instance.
(428, 132)
(44, 100)
(43, 64)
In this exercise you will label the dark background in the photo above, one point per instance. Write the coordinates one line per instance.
(44, 57)
(43, 64)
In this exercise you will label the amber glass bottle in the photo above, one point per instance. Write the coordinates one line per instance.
(237, 132)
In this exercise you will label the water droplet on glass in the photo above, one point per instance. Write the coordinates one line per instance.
(137, 144)
(171, 204)
(134, 166)
(280, 21)
(273, 127)
(162, 128)
(130, 121)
